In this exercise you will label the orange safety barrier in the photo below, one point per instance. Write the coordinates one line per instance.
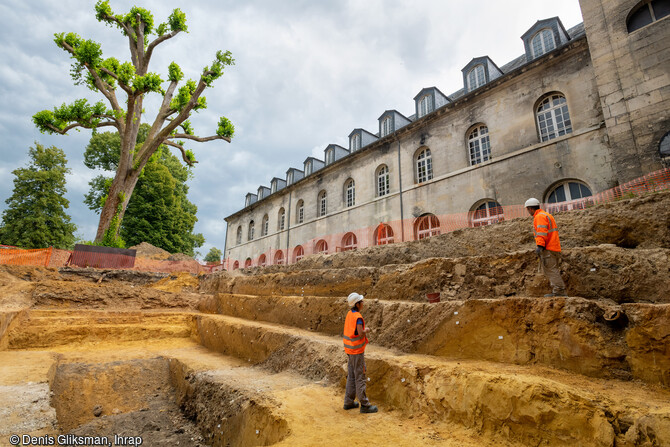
(430, 225)
(19, 256)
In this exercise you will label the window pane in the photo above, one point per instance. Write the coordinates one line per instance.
(661, 8)
(586, 192)
(640, 18)
(560, 194)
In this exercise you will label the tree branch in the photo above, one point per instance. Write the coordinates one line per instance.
(126, 88)
(104, 88)
(84, 125)
(183, 152)
(140, 46)
(186, 136)
(129, 33)
(157, 41)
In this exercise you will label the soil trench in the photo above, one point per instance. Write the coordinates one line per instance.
(254, 357)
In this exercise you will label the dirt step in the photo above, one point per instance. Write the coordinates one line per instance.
(567, 333)
(531, 405)
(248, 406)
(57, 320)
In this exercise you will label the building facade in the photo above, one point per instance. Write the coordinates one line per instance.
(581, 111)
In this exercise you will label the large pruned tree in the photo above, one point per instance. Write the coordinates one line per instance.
(35, 216)
(159, 211)
(170, 126)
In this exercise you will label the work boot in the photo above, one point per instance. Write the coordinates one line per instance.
(350, 406)
(551, 295)
(369, 409)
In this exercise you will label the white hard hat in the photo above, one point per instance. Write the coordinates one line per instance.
(354, 298)
(532, 202)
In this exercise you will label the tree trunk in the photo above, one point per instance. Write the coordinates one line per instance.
(109, 210)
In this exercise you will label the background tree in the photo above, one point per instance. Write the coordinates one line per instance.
(35, 216)
(214, 255)
(170, 126)
(159, 211)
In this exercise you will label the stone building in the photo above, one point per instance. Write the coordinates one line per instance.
(580, 111)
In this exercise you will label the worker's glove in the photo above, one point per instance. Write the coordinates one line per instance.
(539, 249)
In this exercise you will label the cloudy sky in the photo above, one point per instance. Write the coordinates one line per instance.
(307, 72)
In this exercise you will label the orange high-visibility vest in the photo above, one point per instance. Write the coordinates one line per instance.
(353, 344)
(546, 231)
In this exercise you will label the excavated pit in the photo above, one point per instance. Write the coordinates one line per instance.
(161, 402)
(254, 357)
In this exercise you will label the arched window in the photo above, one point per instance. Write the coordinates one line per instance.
(383, 181)
(247, 263)
(236, 265)
(553, 118)
(425, 105)
(542, 42)
(281, 219)
(562, 196)
(647, 12)
(250, 234)
(479, 145)
(279, 257)
(426, 226)
(567, 191)
(486, 213)
(424, 166)
(300, 211)
(238, 239)
(349, 242)
(322, 204)
(265, 225)
(383, 235)
(262, 261)
(476, 77)
(350, 193)
(298, 253)
(321, 247)
(387, 126)
(664, 146)
(355, 142)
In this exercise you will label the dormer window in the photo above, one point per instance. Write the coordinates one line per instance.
(476, 77)
(386, 126)
(542, 43)
(355, 143)
(308, 168)
(330, 156)
(425, 105)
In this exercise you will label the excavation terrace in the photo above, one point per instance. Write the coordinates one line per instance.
(255, 357)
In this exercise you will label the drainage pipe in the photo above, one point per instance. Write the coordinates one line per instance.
(402, 213)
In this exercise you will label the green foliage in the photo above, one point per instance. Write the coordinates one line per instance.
(183, 96)
(159, 211)
(177, 21)
(80, 111)
(110, 239)
(187, 128)
(214, 255)
(175, 73)
(226, 128)
(35, 216)
(151, 82)
(215, 71)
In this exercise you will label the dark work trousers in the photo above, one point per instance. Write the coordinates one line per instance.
(356, 380)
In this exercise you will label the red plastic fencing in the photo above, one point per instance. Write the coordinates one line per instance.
(432, 225)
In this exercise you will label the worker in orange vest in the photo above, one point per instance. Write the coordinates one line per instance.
(355, 339)
(548, 246)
